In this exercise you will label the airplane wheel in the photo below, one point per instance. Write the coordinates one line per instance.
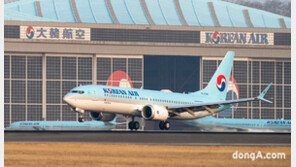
(81, 119)
(161, 125)
(136, 125)
(131, 125)
(166, 125)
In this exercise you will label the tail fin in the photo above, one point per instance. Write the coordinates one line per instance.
(217, 87)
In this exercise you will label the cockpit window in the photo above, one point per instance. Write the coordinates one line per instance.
(77, 91)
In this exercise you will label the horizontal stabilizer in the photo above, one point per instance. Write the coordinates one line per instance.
(261, 96)
(191, 108)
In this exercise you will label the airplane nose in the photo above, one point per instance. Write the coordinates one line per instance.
(67, 98)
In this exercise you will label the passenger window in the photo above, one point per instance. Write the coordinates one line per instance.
(77, 91)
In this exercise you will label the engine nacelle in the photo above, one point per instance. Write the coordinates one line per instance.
(100, 116)
(154, 112)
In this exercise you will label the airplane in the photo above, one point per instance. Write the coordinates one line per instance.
(61, 125)
(104, 102)
(211, 123)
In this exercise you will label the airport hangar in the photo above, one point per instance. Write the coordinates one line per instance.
(52, 46)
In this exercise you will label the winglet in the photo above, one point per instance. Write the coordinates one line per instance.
(261, 96)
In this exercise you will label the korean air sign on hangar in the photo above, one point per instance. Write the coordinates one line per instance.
(236, 38)
(54, 33)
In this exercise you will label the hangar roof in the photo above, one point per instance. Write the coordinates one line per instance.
(212, 13)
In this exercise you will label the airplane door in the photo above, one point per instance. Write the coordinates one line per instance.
(98, 101)
(94, 94)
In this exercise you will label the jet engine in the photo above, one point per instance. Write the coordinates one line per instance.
(100, 116)
(154, 112)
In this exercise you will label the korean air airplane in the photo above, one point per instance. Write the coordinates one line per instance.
(250, 125)
(61, 125)
(104, 102)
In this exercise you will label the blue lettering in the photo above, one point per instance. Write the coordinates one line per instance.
(243, 38)
(252, 38)
(105, 90)
(116, 91)
(121, 92)
(223, 38)
(136, 93)
(235, 38)
(131, 93)
(230, 38)
(257, 38)
(240, 38)
(264, 39)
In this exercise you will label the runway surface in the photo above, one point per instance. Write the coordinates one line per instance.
(151, 137)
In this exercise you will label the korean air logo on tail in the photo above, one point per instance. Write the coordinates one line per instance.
(221, 83)
(30, 32)
(216, 37)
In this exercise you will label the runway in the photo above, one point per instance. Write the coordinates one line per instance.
(152, 137)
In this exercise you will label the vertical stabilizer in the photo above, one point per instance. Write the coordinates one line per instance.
(217, 87)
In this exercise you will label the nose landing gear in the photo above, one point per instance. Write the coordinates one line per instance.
(80, 118)
(164, 125)
(80, 114)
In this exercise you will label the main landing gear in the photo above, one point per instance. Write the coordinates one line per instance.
(133, 124)
(164, 125)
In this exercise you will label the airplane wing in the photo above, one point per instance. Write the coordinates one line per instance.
(210, 105)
